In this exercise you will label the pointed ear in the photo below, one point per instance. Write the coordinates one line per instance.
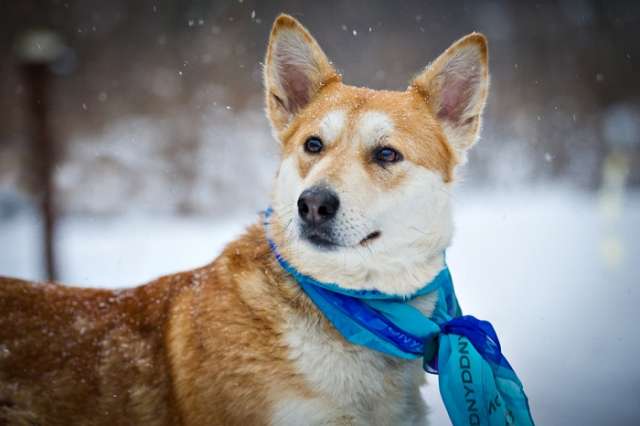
(295, 70)
(455, 86)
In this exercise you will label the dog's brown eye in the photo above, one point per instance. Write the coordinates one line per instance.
(386, 155)
(313, 145)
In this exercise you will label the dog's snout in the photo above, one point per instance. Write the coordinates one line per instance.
(318, 205)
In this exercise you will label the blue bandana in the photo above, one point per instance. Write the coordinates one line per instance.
(477, 384)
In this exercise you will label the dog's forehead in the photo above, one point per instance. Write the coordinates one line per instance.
(355, 101)
(370, 113)
(332, 124)
(373, 125)
(367, 126)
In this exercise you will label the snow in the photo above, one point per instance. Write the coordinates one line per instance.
(118, 252)
(554, 271)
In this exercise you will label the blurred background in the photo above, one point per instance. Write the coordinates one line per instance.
(133, 143)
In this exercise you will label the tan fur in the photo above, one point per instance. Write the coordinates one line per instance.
(223, 344)
(202, 347)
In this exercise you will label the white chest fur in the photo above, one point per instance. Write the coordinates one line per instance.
(355, 385)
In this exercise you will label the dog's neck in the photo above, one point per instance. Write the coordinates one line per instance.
(397, 273)
(397, 276)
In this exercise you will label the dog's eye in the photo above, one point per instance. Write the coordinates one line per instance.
(386, 155)
(313, 145)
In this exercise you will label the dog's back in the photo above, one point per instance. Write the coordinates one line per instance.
(199, 347)
(82, 356)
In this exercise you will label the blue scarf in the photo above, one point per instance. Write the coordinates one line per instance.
(477, 384)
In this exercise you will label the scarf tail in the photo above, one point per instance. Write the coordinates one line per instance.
(477, 383)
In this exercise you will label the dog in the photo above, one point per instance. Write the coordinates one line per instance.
(361, 198)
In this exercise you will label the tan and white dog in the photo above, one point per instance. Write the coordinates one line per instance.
(361, 198)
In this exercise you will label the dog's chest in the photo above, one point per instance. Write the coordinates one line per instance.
(354, 385)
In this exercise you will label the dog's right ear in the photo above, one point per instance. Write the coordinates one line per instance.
(295, 69)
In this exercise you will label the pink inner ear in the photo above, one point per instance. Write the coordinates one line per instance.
(294, 81)
(456, 95)
(296, 86)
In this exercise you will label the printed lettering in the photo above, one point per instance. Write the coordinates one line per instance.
(467, 391)
(471, 405)
(465, 362)
(462, 345)
(466, 376)
(494, 404)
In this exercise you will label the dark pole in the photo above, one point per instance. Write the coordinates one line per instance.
(38, 50)
(43, 157)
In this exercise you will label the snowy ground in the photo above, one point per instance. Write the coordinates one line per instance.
(554, 271)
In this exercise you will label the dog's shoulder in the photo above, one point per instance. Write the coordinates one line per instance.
(225, 337)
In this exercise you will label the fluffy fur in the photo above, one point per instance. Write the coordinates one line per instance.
(236, 342)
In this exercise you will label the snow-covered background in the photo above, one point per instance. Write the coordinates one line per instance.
(555, 270)
(163, 155)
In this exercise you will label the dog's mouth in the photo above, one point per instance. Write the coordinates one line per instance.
(320, 238)
(372, 236)
(322, 241)
(325, 240)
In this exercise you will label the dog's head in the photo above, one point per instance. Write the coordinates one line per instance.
(362, 196)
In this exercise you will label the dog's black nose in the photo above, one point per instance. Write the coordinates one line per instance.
(317, 205)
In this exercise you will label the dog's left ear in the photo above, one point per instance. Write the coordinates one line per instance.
(295, 70)
(455, 86)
